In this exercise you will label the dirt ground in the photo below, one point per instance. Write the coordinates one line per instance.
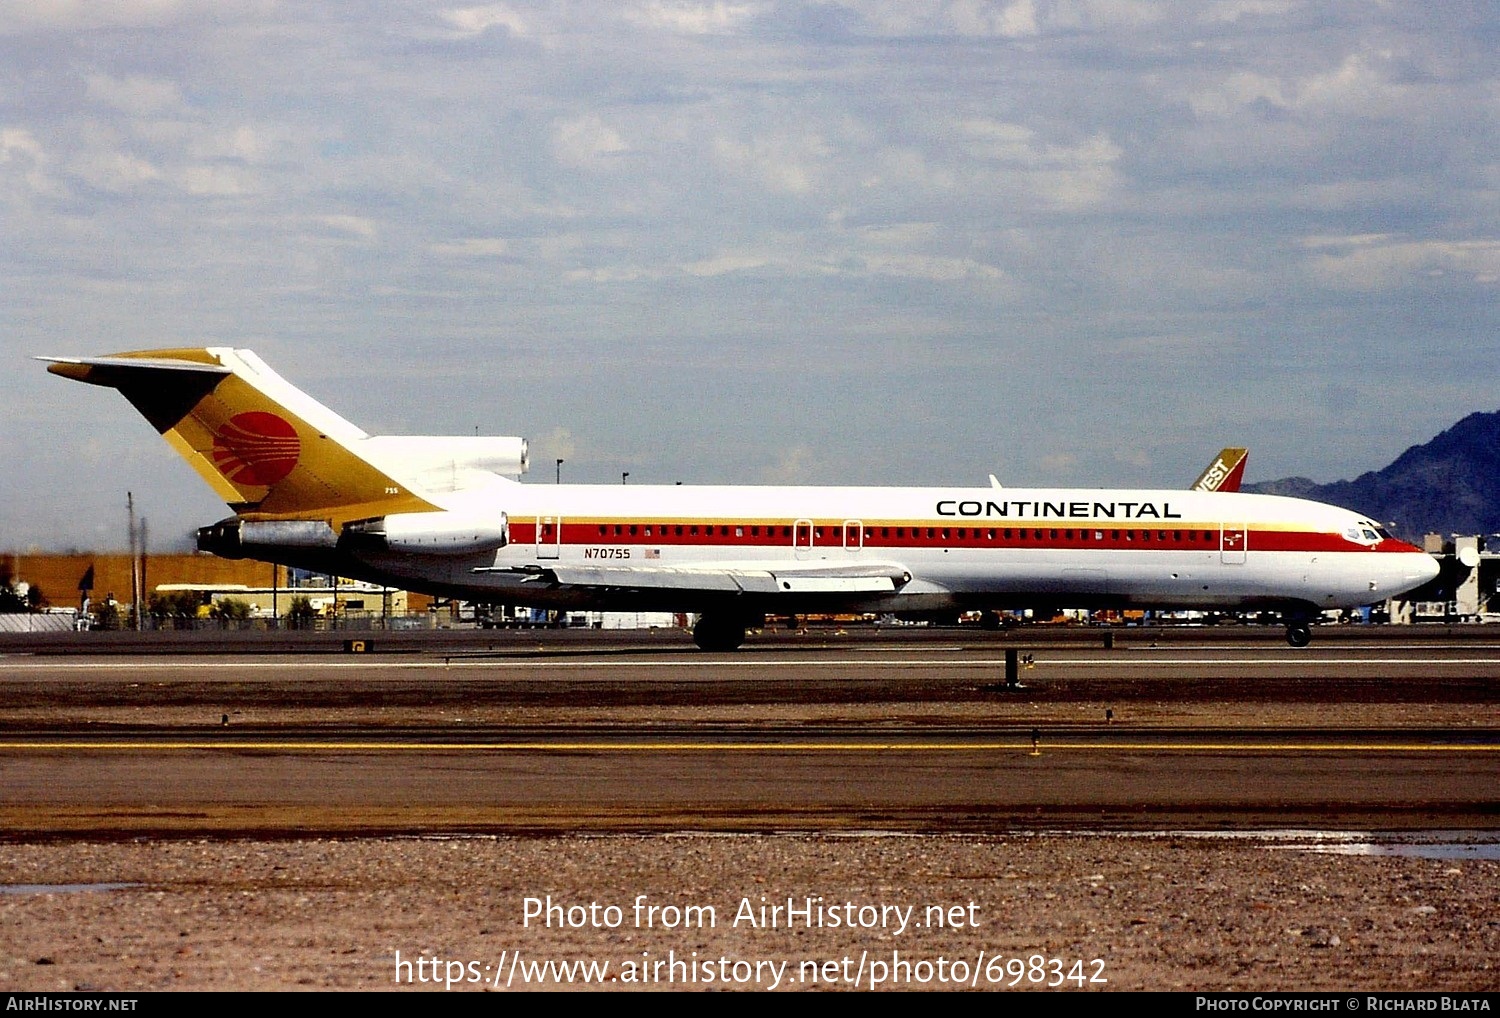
(1076, 911)
(1062, 910)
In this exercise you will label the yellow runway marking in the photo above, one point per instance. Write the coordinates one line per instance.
(1065, 660)
(1021, 743)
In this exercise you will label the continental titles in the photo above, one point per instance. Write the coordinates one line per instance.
(1042, 510)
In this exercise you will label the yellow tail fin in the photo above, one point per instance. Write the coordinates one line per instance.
(267, 448)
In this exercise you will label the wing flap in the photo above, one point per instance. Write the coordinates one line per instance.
(732, 578)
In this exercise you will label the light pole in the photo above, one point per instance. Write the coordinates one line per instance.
(624, 476)
(559, 471)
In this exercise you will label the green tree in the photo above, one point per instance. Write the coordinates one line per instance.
(178, 604)
(301, 613)
(232, 608)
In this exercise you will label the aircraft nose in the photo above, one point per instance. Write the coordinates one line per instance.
(1417, 568)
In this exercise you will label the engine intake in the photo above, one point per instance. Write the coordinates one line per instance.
(440, 533)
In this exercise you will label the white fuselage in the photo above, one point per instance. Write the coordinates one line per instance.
(642, 546)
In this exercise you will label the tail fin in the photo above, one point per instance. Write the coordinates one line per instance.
(267, 448)
(1225, 473)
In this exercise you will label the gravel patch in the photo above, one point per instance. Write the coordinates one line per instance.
(1165, 912)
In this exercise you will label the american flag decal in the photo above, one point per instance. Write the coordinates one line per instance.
(653, 553)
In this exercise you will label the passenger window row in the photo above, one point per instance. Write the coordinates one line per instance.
(970, 535)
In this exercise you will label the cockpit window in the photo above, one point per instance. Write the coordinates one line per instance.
(1370, 535)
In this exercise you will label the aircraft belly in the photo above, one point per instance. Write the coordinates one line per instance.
(1127, 578)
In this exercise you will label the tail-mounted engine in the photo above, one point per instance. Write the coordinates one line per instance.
(237, 538)
(439, 533)
(435, 533)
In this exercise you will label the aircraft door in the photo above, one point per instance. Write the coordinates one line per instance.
(802, 538)
(1234, 541)
(548, 536)
(854, 535)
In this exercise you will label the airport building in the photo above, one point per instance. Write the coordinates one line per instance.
(1468, 587)
(84, 590)
(188, 587)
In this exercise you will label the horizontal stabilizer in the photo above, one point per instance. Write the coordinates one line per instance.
(267, 448)
(110, 370)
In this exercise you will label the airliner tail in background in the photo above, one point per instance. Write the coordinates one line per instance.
(1225, 473)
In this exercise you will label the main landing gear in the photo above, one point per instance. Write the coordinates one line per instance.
(714, 631)
(1298, 634)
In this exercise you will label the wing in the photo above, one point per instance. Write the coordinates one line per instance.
(785, 577)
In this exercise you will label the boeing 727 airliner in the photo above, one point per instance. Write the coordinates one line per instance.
(447, 515)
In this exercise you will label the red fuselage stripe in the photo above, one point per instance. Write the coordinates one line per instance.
(826, 536)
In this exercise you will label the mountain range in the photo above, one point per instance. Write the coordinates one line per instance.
(1450, 485)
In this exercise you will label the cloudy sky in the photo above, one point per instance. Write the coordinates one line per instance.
(1070, 242)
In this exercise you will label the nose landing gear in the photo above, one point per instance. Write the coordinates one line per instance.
(1298, 634)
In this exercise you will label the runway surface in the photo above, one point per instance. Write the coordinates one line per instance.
(914, 732)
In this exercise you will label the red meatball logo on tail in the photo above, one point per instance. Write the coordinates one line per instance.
(256, 448)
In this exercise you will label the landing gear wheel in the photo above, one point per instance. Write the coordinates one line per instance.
(1298, 634)
(718, 632)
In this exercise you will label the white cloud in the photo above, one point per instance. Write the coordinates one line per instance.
(917, 266)
(1065, 176)
(1103, 15)
(214, 180)
(796, 464)
(472, 247)
(114, 171)
(726, 263)
(716, 18)
(1374, 262)
(1132, 455)
(615, 274)
(137, 95)
(352, 226)
(1356, 85)
(990, 139)
(478, 20)
(19, 150)
(557, 444)
(981, 18)
(245, 144)
(1234, 10)
(1237, 91)
(586, 142)
(901, 234)
(20, 16)
(1080, 175)
(786, 163)
(1059, 463)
